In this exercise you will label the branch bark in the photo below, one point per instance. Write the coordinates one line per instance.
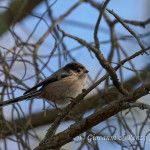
(74, 130)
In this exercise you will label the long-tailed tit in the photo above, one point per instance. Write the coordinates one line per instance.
(64, 84)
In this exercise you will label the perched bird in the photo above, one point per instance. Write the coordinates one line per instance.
(64, 84)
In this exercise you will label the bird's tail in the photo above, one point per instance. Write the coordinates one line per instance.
(21, 98)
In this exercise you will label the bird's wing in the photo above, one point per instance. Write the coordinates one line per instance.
(48, 80)
(43, 83)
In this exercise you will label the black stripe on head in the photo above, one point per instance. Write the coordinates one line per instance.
(74, 66)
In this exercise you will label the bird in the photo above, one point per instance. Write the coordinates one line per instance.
(60, 87)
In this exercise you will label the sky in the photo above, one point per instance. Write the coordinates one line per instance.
(75, 25)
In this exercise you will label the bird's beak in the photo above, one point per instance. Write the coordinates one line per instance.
(86, 71)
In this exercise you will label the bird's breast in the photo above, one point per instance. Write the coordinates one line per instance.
(63, 90)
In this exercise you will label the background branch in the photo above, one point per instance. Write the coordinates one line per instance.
(116, 100)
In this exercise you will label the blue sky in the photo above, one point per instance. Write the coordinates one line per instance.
(86, 15)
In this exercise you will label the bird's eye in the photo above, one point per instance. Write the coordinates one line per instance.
(78, 70)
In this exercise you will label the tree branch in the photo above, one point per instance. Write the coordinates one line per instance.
(16, 12)
(67, 135)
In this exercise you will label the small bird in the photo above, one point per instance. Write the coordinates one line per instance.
(60, 87)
